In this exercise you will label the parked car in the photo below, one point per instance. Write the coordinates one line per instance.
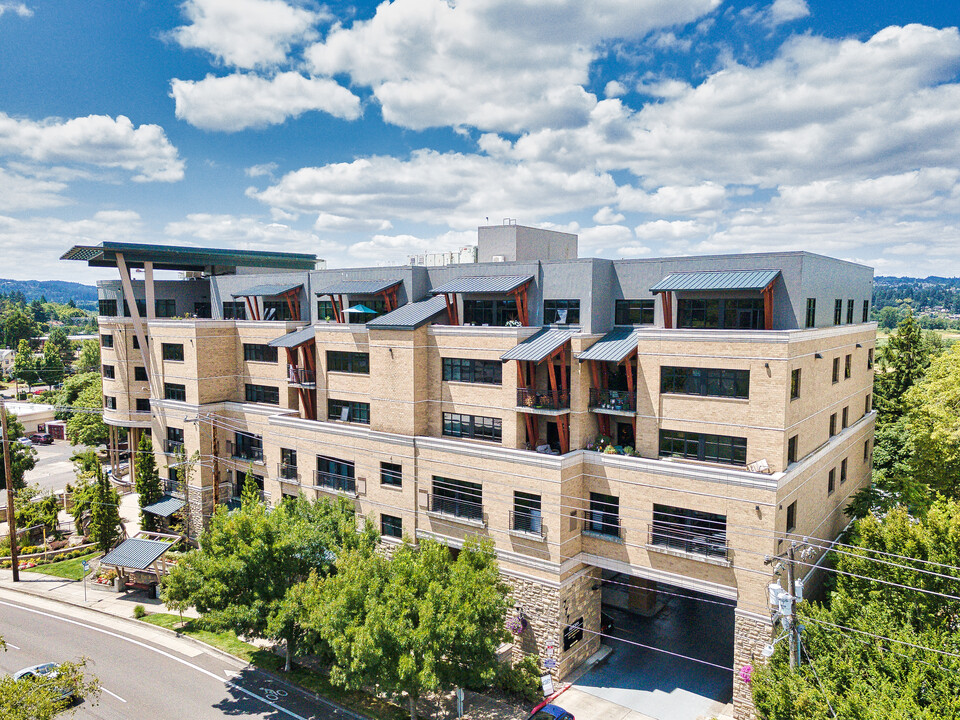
(25, 441)
(550, 712)
(41, 439)
(46, 672)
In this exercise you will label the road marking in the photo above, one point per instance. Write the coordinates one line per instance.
(11, 645)
(113, 694)
(159, 652)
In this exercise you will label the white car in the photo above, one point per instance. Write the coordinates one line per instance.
(25, 441)
(46, 673)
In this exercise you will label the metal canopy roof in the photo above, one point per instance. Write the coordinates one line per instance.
(410, 316)
(266, 290)
(538, 347)
(179, 257)
(165, 507)
(612, 347)
(136, 553)
(358, 287)
(717, 280)
(492, 284)
(294, 339)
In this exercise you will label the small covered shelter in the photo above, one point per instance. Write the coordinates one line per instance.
(301, 350)
(254, 297)
(713, 284)
(338, 292)
(164, 508)
(514, 286)
(614, 351)
(140, 556)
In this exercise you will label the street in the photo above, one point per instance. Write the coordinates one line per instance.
(53, 471)
(144, 672)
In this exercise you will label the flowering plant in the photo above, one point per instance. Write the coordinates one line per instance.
(518, 624)
(746, 672)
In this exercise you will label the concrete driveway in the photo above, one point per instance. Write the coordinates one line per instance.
(54, 469)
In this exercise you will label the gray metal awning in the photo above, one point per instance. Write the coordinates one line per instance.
(612, 347)
(538, 347)
(266, 290)
(294, 339)
(410, 316)
(491, 285)
(717, 280)
(136, 553)
(164, 507)
(358, 287)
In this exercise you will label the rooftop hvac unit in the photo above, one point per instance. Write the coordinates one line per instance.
(498, 258)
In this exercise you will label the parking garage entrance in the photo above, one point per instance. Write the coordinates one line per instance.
(672, 650)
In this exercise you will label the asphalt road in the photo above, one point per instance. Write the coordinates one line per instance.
(146, 675)
(54, 469)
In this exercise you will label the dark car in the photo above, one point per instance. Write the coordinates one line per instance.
(42, 439)
(550, 712)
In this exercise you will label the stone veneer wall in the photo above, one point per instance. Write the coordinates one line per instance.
(200, 508)
(750, 636)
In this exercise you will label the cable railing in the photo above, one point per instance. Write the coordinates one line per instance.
(527, 521)
(172, 447)
(288, 472)
(708, 543)
(339, 483)
(455, 507)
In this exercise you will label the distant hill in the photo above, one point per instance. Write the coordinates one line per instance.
(923, 294)
(53, 290)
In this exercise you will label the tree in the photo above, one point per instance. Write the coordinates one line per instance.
(901, 362)
(70, 391)
(64, 347)
(37, 311)
(85, 425)
(24, 367)
(18, 326)
(41, 698)
(415, 622)
(51, 368)
(22, 458)
(148, 484)
(33, 508)
(104, 527)
(89, 360)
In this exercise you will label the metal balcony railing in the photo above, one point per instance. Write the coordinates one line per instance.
(707, 543)
(251, 453)
(172, 447)
(340, 483)
(617, 400)
(171, 487)
(543, 399)
(455, 507)
(301, 376)
(288, 472)
(527, 521)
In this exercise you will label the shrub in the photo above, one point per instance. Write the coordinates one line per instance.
(139, 611)
(522, 679)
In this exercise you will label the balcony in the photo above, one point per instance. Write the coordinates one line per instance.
(527, 522)
(173, 489)
(614, 401)
(705, 544)
(532, 399)
(288, 473)
(455, 508)
(338, 483)
(246, 452)
(173, 447)
(301, 376)
(603, 526)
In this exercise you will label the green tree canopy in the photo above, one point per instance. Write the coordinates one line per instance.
(17, 326)
(24, 366)
(61, 342)
(89, 360)
(148, 485)
(85, 424)
(39, 699)
(33, 508)
(901, 362)
(70, 390)
(104, 528)
(51, 367)
(22, 458)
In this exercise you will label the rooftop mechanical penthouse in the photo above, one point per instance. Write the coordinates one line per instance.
(633, 434)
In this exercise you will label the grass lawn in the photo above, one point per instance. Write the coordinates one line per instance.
(304, 677)
(66, 569)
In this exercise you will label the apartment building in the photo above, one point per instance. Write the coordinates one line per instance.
(624, 431)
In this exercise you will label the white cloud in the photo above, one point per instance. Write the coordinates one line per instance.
(614, 88)
(607, 216)
(395, 248)
(266, 169)
(96, 140)
(895, 193)
(340, 223)
(242, 232)
(599, 240)
(671, 230)
(783, 11)
(15, 8)
(29, 193)
(672, 200)
(240, 101)
(246, 33)
(670, 41)
(493, 64)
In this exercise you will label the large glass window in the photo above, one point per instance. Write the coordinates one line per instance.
(141, 308)
(347, 411)
(173, 351)
(473, 371)
(838, 311)
(107, 308)
(716, 382)
(561, 312)
(348, 362)
(143, 405)
(850, 312)
(701, 446)
(139, 373)
(457, 497)
(235, 310)
(527, 513)
(391, 474)
(106, 341)
(811, 312)
(165, 308)
(174, 440)
(288, 464)
(866, 310)
(391, 526)
(254, 352)
(109, 402)
(698, 313)
(472, 426)
(202, 310)
(276, 310)
(489, 312)
(248, 447)
(108, 372)
(336, 474)
(325, 310)
(175, 391)
(604, 517)
(262, 394)
(691, 531)
(633, 312)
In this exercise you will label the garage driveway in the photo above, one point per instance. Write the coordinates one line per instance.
(657, 685)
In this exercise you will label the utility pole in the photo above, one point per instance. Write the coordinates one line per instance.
(8, 477)
(792, 618)
(216, 466)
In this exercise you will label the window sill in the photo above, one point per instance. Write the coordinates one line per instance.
(467, 383)
(347, 373)
(455, 518)
(394, 488)
(706, 397)
(602, 536)
(333, 491)
(721, 562)
(528, 535)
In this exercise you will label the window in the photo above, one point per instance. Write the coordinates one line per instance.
(831, 481)
(265, 394)
(843, 471)
(489, 312)
(107, 308)
(526, 513)
(837, 311)
(795, 384)
(869, 358)
(458, 498)
(347, 411)
(391, 526)
(699, 446)
(714, 382)
(141, 308)
(174, 391)
(325, 310)
(847, 367)
(143, 404)
(811, 312)
(234, 311)
(202, 309)
(106, 341)
(833, 424)
(472, 426)
(473, 371)
(792, 449)
(845, 418)
(561, 312)
(109, 402)
(836, 369)
(633, 312)
(850, 312)
(136, 342)
(348, 362)
(604, 517)
(174, 440)
(247, 447)
(691, 531)
(736, 314)
(173, 351)
(867, 404)
(139, 373)
(866, 450)
(108, 372)
(866, 310)
(165, 308)
(698, 313)
(391, 474)
(288, 464)
(792, 516)
(335, 474)
(259, 353)
(276, 310)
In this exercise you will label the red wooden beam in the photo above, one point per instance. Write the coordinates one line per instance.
(768, 307)
(667, 308)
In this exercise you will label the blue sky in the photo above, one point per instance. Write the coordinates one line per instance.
(367, 132)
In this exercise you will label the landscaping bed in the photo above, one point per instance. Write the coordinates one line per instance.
(69, 568)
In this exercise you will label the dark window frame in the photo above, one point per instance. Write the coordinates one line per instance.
(527, 512)
(336, 474)
(106, 340)
(793, 449)
(838, 311)
(391, 526)
(792, 516)
(848, 367)
(836, 370)
(110, 402)
(355, 363)
(109, 372)
(359, 411)
(705, 382)
(811, 320)
(833, 424)
(703, 447)
(234, 310)
(474, 427)
(391, 474)
(259, 352)
(831, 481)
(263, 394)
(107, 307)
(637, 311)
(165, 308)
(694, 531)
(843, 471)
(143, 405)
(172, 351)
(470, 370)
(603, 517)
(850, 311)
(460, 498)
(174, 391)
(866, 310)
(795, 379)
(551, 314)
(140, 374)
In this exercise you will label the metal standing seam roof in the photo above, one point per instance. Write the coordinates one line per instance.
(165, 507)
(295, 338)
(411, 315)
(179, 257)
(612, 347)
(358, 287)
(136, 553)
(717, 280)
(266, 290)
(492, 284)
(539, 346)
